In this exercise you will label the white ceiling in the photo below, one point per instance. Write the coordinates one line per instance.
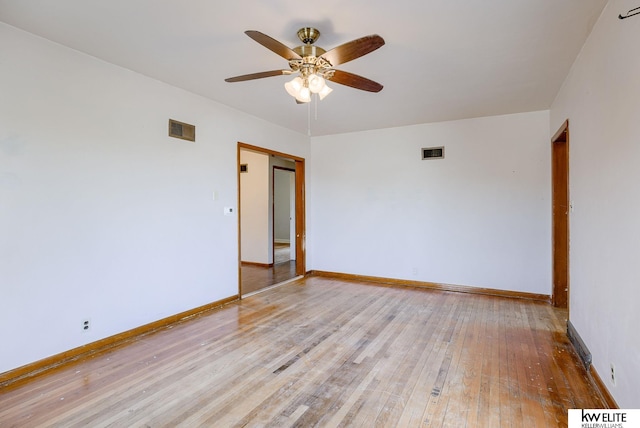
(443, 59)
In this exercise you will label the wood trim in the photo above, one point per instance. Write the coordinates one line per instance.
(560, 216)
(301, 227)
(560, 133)
(245, 146)
(65, 358)
(239, 225)
(434, 286)
(262, 265)
(602, 388)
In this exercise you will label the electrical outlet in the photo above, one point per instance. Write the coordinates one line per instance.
(613, 374)
(86, 324)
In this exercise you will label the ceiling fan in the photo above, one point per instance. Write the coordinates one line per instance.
(314, 66)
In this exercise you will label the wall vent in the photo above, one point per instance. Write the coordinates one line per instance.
(433, 153)
(182, 130)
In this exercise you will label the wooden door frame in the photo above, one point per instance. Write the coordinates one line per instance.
(273, 207)
(560, 216)
(301, 228)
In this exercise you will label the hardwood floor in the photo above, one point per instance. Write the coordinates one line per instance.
(281, 253)
(255, 278)
(322, 352)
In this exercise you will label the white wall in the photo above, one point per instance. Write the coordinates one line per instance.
(480, 217)
(102, 215)
(255, 208)
(282, 191)
(601, 99)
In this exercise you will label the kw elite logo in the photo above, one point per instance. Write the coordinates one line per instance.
(601, 418)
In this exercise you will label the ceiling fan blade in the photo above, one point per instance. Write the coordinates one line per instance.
(260, 75)
(273, 45)
(355, 81)
(353, 49)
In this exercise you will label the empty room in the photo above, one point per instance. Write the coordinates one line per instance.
(326, 214)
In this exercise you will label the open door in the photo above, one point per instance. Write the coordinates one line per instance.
(560, 215)
(301, 231)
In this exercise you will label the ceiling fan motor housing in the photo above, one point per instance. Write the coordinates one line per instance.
(308, 35)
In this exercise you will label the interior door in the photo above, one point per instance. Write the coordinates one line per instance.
(292, 215)
(560, 215)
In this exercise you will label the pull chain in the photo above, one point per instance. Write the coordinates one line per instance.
(309, 119)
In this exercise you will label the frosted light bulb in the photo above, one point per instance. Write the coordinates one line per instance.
(316, 83)
(293, 87)
(324, 92)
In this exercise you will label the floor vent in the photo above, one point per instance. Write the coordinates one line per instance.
(433, 153)
(182, 130)
(579, 345)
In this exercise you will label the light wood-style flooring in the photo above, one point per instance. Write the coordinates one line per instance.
(255, 278)
(322, 352)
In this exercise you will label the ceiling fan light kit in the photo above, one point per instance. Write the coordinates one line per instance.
(314, 65)
(301, 88)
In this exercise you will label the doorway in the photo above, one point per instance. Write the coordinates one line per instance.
(284, 214)
(266, 180)
(560, 215)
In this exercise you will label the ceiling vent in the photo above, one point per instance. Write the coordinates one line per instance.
(182, 130)
(433, 153)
